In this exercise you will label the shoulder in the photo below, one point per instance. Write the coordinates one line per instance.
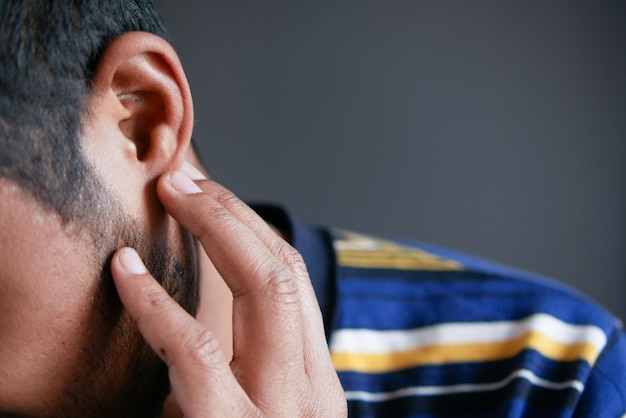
(414, 321)
(475, 289)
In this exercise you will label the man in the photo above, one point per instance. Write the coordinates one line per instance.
(94, 110)
(95, 122)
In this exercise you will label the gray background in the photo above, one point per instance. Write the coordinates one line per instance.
(496, 128)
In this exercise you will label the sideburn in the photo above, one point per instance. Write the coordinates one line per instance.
(121, 376)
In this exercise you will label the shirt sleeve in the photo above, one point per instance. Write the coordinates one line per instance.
(605, 390)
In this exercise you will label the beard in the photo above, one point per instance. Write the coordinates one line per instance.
(118, 374)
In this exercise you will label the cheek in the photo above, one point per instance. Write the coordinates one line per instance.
(41, 347)
(45, 315)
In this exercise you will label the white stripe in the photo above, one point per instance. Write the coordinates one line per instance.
(463, 388)
(377, 342)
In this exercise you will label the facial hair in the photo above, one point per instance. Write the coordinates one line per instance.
(120, 375)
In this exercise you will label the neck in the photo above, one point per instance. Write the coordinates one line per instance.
(216, 307)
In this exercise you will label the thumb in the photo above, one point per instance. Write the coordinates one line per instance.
(199, 373)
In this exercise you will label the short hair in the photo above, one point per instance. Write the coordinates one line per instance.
(49, 50)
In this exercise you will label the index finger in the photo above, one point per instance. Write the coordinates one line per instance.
(267, 305)
(313, 327)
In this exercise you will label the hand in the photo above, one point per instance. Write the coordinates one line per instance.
(281, 366)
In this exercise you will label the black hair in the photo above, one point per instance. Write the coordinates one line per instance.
(49, 50)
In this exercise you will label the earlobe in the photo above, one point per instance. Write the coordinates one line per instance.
(140, 76)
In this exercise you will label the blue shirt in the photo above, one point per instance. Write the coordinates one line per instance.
(419, 331)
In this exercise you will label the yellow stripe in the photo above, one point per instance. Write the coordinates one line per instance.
(402, 262)
(394, 253)
(355, 250)
(454, 353)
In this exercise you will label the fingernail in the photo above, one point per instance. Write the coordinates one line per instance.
(192, 172)
(130, 260)
(184, 184)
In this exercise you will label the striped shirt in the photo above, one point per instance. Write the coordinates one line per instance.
(418, 331)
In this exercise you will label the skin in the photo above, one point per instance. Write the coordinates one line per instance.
(281, 365)
(216, 306)
(71, 347)
(47, 322)
(68, 347)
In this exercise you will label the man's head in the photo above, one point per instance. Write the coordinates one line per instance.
(94, 106)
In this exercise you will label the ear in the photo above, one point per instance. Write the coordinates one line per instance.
(141, 99)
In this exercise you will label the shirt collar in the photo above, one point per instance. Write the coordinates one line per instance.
(315, 246)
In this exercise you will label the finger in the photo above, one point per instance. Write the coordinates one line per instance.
(276, 245)
(199, 374)
(315, 345)
(317, 361)
(267, 312)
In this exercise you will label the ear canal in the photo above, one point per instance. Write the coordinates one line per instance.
(147, 110)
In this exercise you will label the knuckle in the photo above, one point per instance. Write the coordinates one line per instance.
(214, 212)
(202, 347)
(155, 300)
(225, 197)
(218, 212)
(282, 286)
(222, 195)
(292, 258)
(295, 261)
(156, 297)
